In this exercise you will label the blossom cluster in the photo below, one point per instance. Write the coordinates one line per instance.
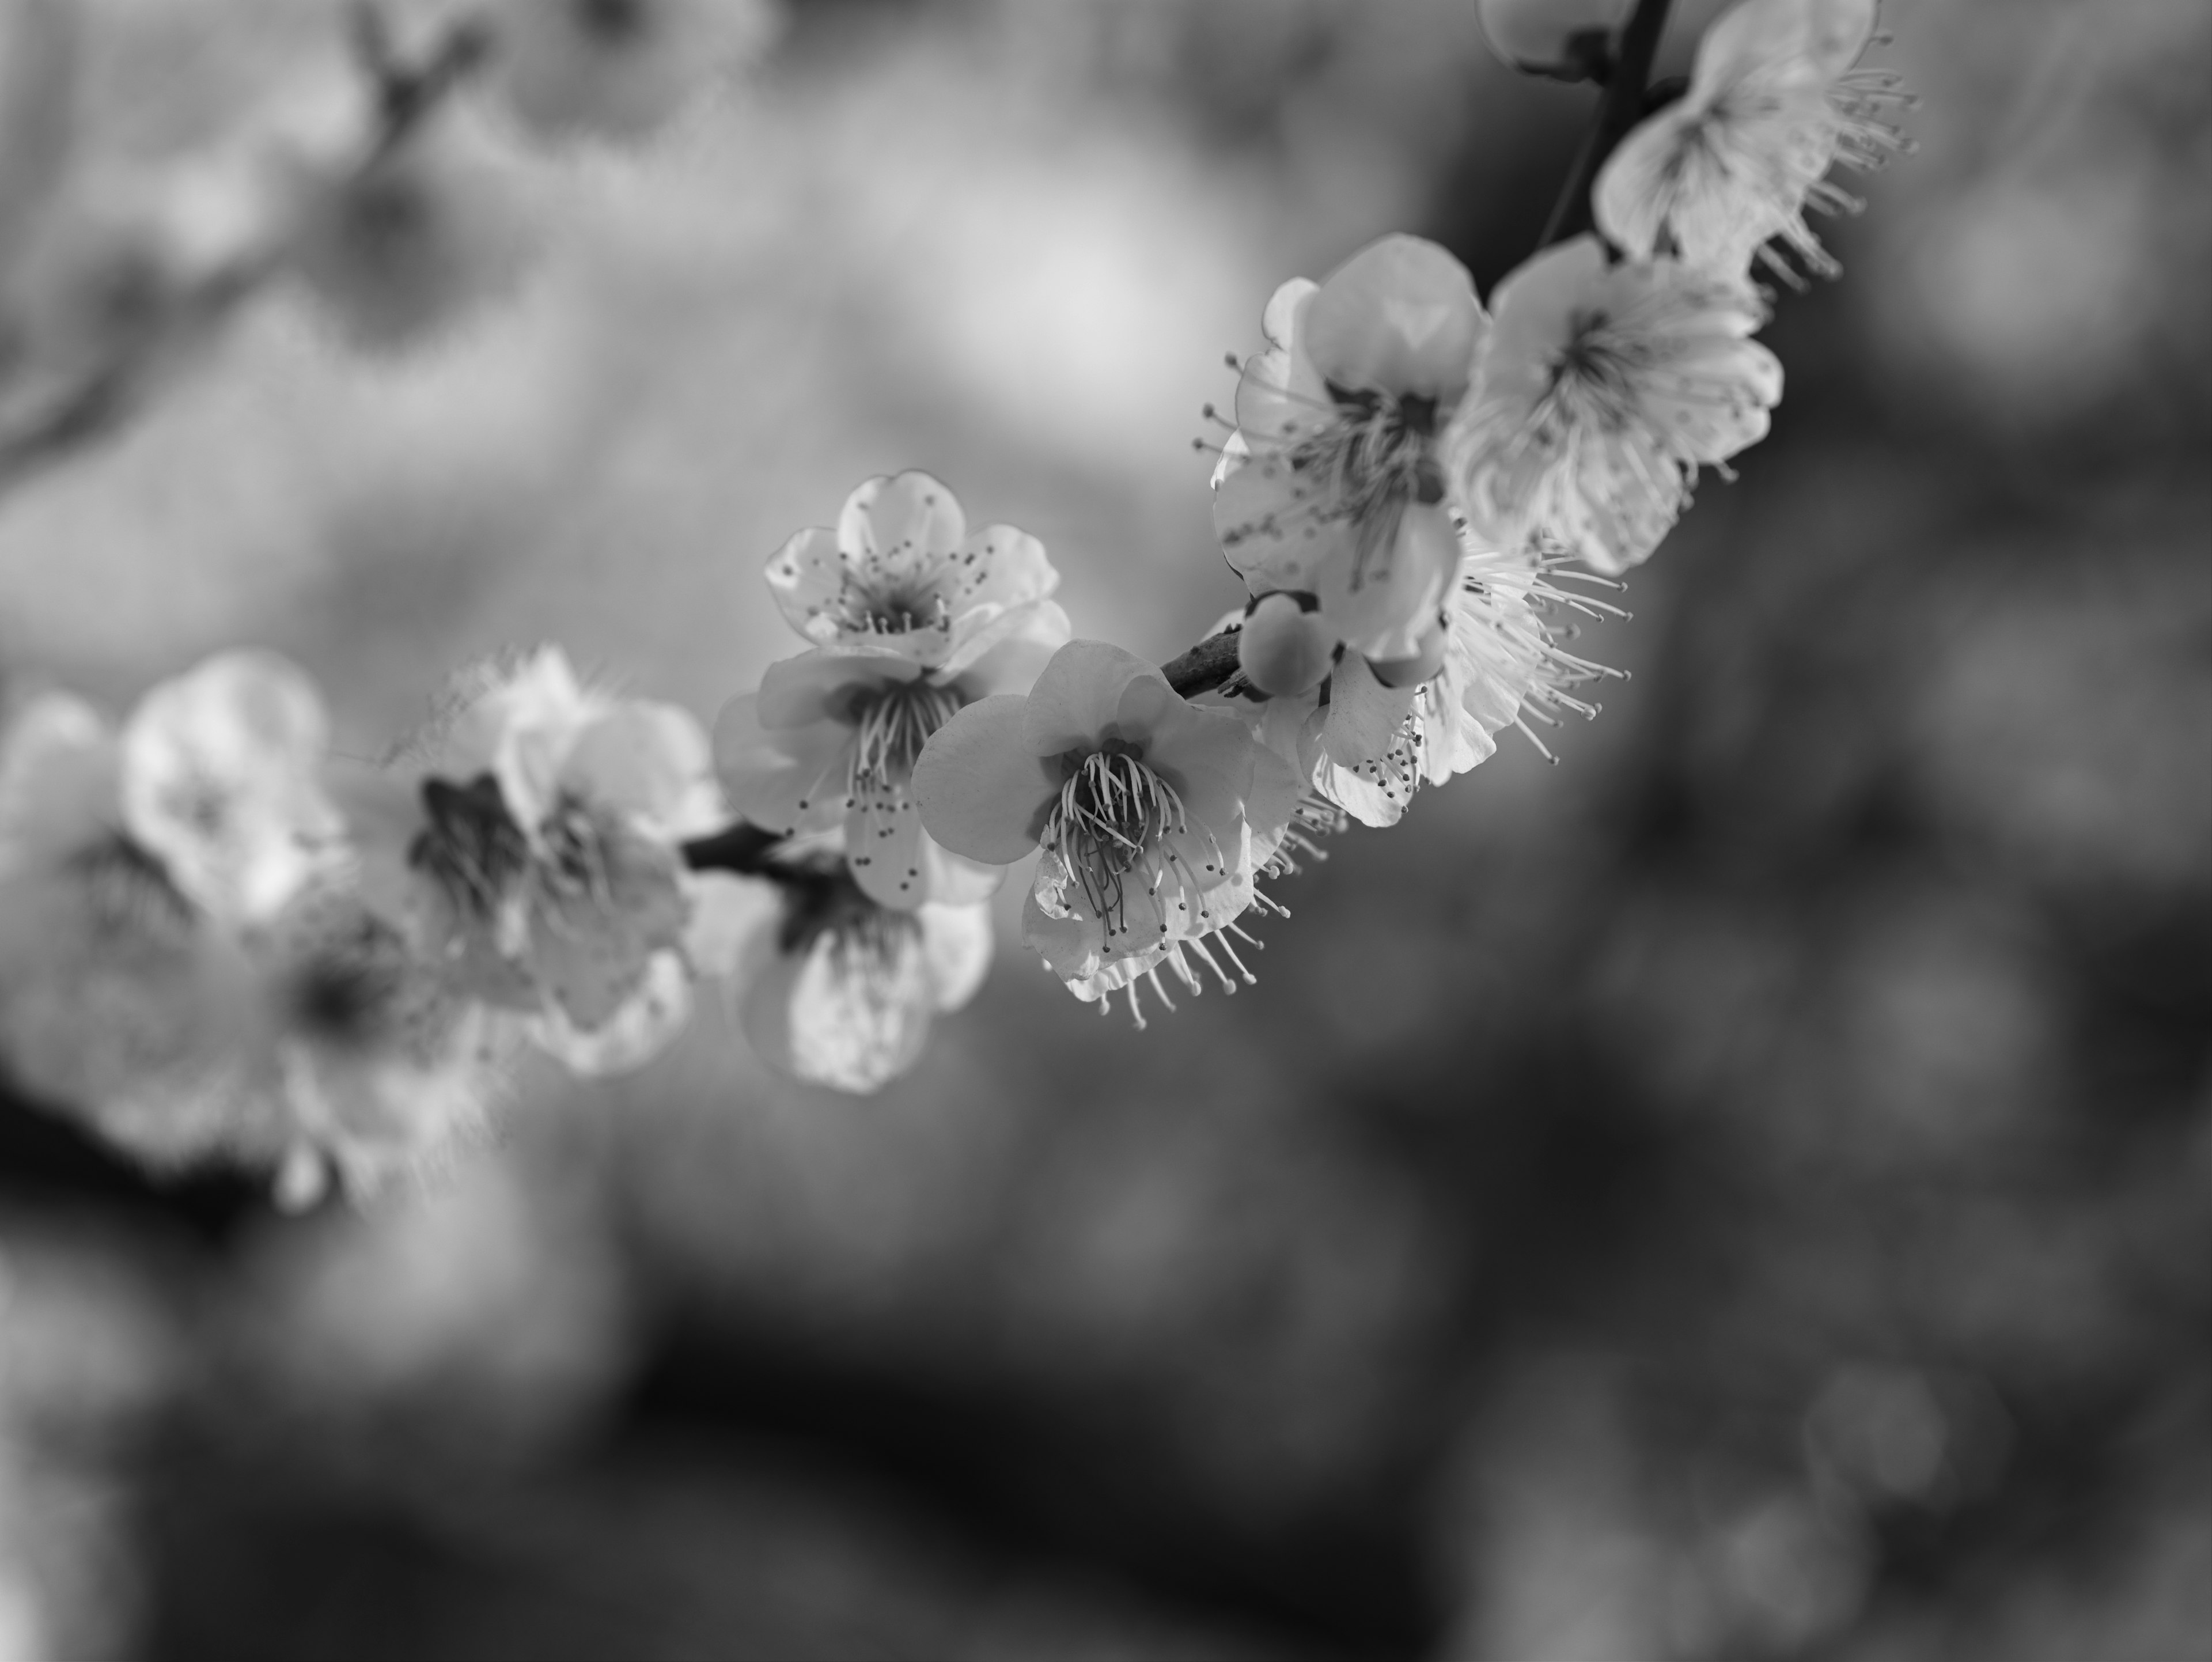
(216, 938)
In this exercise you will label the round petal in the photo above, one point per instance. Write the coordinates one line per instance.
(654, 762)
(1077, 702)
(983, 792)
(60, 767)
(1399, 316)
(787, 779)
(957, 944)
(817, 686)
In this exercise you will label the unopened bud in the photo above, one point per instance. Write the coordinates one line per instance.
(1285, 649)
(1560, 39)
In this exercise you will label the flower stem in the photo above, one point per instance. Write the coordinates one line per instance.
(740, 847)
(1620, 108)
(1205, 666)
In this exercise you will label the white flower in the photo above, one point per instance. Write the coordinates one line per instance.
(378, 1066)
(829, 986)
(1154, 817)
(914, 619)
(222, 782)
(1602, 391)
(120, 1001)
(1772, 102)
(1367, 748)
(1332, 483)
(549, 870)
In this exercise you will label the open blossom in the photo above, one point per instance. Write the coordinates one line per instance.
(1366, 747)
(828, 985)
(1332, 483)
(374, 1062)
(1773, 101)
(549, 875)
(1154, 817)
(120, 1000)
(913, 619)
(1603, 388)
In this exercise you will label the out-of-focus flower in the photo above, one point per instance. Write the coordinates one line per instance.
(914, 618)
(119, 1000)
(1332, 483)
(1773, 101)
(220, 783)
(398, 242)
(377, 1064)
(829, 986)
(549, 877)
(1566, 39)
(1154, 816)
(615, 70)
(1367, 747)
(1602, 390)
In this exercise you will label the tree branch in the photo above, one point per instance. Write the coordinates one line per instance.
(1620, 107)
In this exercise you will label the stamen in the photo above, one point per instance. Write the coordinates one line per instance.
(1114, 815)
(894, 725)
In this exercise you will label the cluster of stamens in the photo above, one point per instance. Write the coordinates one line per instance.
(893, 726)
(470, 848)
(1114, 815)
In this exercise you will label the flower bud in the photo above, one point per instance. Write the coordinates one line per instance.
(1555, 38)
(1399, 316)
(1424, 663)
(1285, 649)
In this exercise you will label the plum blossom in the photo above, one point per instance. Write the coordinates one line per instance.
(221, 781)
(1602, 389)
(1154, 817)
(1367, 747)
(1773, 101)
(1332, 483)
(547, 876)
(828, 985)
(914, 618)
(120, 999)
(375, 1063)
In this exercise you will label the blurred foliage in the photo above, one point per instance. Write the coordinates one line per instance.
(1740, 1194)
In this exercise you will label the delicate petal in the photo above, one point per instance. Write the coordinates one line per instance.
(219, 779)
(982, 791)
(655, 762)
(728, 912)
(1077, 702)
(817, 687)
(883, 846)
(1011, 653)
(848, 1011)
(957, 944)
(1399, 316)
(787, 780)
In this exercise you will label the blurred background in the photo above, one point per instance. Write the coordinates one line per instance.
(1745, 1192)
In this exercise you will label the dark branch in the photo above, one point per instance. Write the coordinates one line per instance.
(1205, 666)
(1619, 110)
(740, 847)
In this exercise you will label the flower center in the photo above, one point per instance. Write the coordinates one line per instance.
(1376, 459)
(1113, 813)
(892, 605)
(129, 894)
(1599, 378)
(471, 847)
(893, 726)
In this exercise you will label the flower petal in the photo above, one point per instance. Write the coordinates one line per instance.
(983, 792)
(1077, 700)
(786, 780)
(957, 944)
(654, 762)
